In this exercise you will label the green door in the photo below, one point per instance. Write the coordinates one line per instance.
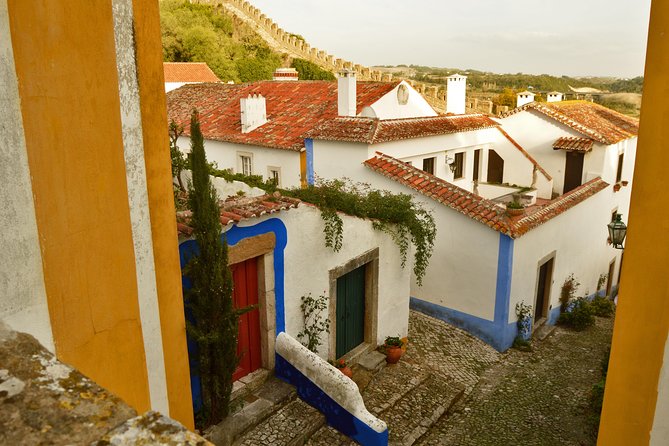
(350, 311)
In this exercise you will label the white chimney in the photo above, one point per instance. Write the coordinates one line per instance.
(524, 97)
(285, 74)
(456, 92)
(254, 112)
(554, 96)
(346, 93)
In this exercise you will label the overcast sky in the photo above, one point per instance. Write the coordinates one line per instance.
(559, 37)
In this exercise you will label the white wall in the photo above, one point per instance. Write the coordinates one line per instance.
(308, 262)
(578, 239)
(23, 304)
(536, 134)
(169, 86)
(388, 107)
(226, 156)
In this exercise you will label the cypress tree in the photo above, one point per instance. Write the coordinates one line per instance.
(210, 299)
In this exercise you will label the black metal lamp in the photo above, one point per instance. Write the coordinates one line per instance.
(451, 163)
(617, 232)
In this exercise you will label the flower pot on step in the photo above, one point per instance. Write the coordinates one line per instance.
(393, 354)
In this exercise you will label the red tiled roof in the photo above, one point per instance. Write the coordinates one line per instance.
(236, 209)
(573, 143)
(596, 121)
(188, 72)
(293, 108)
(524, 152)
(474, 206)
(373, 131)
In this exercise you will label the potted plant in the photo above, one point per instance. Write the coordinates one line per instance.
(616, 187)
(515, 208)
(625, 182)
(343, 367)
(393, 347)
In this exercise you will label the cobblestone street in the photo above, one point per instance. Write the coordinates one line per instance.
(528, 398)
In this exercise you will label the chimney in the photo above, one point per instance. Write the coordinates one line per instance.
(285, 74)
(253, 112)
(456, 93)
(346, 93)
(524, 97)
(554, 96)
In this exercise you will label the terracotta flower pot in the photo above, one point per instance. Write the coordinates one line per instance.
(347, 371)
(515, 212)
(616, 187)
(393, 354)
(625, 183)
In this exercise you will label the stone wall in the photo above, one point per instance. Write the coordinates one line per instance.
(294, 46)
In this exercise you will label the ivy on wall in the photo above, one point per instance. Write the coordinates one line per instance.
(396, 214)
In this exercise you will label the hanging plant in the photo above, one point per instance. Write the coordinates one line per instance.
(396, 214)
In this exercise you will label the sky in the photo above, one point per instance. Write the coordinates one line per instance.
(558, 37)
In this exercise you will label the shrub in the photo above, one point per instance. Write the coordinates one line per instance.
(568, 291)
(602, 307)
(581, 315)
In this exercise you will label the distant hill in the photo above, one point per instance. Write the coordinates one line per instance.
(201, 32)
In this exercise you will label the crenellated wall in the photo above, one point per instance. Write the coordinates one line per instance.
(294, 46)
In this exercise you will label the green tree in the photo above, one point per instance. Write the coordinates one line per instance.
(310, 71)
(210, 297)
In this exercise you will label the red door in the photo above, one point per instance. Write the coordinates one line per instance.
(245, 277)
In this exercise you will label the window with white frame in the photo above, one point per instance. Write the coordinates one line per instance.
(246, 163)
(274, 174)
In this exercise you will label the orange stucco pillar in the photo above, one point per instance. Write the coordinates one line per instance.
(161, 206)
(642, 319)
(92, 100)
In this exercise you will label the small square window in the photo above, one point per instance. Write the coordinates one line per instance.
(428, 165)
(274, 174)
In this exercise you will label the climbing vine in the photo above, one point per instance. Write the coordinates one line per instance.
(396, 214)
(314, 323)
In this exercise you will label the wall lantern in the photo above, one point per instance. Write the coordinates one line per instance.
(617, 232)
(451, 163)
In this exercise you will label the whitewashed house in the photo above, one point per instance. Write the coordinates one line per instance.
(258, 128)
(485, 261)
(465, 168)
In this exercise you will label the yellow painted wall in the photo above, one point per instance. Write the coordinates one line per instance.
(161, 206)
(66, 68)
(642, 319)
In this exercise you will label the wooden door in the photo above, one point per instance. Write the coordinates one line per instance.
(609, 279)
(350, 311)
(543, 290)
(573, 171)
(495, 167)
(245, 293)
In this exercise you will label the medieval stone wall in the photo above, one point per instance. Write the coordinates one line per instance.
(295, 47)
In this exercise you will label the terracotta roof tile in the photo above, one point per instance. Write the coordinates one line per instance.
(373, 131)
(593, 120)
(188, 72)
(479, 208)
(236, 209)
(293, 108)
(573, 143)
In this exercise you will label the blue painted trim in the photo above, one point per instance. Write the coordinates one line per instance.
(309, 146)
(335, 414)
(507, 331)
(189, 249)
(499, 333)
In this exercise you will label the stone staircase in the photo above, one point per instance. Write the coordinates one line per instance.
(410, 399)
